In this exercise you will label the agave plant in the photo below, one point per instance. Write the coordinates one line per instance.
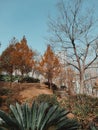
(38, 117)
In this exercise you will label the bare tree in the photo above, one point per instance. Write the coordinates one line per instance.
(72, 30)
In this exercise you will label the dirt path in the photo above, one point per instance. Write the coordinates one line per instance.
(32, 91)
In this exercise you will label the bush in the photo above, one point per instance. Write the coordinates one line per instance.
(5, 78)
(29, 80)
(16, 77)
(51, 99)
(83, 106)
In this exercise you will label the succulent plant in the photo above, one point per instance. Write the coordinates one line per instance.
(37, 117)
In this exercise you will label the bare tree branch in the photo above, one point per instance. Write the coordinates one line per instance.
(73, 29)
(86, 67)
(91, 78)
(68, 63)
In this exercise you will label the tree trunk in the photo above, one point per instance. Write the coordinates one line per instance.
(11, 76)
(81, 82)
(50, 83)
(22, 75)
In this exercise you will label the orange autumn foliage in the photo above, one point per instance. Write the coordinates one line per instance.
(23, 57)
(6, 59)
(49, 65)
(17, 56)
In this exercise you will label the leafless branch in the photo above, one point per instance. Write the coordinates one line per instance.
(91, 78)
(73, 65)
(86, 67)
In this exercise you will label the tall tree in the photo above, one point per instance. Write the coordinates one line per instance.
(17, 56)
(6, 61)
(72, 30)
(49, 65)
(23, 57)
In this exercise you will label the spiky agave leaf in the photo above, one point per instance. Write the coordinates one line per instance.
(8, 120)
(41, 114)
(34, 115)
(56, 116)
(45, 122)
(17, 112)
(47, 116)
(67, 124)
(22, 114)
(26, 116)
(21, 118)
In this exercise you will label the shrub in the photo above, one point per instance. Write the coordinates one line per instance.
(51, 99)
(29, 80)
(5, 78)
(83, 106)
(16, 77)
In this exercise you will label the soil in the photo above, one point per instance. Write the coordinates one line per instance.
(22, 92)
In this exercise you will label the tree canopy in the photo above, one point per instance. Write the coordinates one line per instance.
(17, 56)
(49, 65)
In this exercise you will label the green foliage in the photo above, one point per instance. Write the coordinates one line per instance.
(29, 80)
(38, 117)
(5, 78)
(8, 78)
(15, 77)
(51, 99)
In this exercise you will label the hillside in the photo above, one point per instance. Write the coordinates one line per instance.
(33, 90)
(20, 92)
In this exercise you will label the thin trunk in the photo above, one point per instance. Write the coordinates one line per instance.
(50, 83)
(11, 76)
(22, 75)
(81, 81)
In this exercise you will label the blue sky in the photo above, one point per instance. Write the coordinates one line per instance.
(29, 18)
(25, 17)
